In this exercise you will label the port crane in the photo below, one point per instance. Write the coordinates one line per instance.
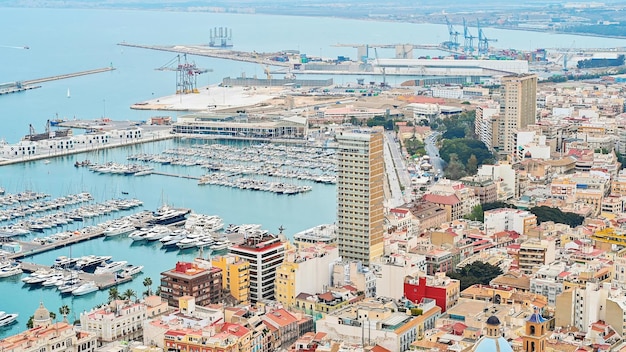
(453, 42)
(483, 41)
(469, 39)
(186, 74)
(382, 68)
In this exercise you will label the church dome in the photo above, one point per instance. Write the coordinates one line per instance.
(41, 313)
(493, 320)
(491, 344)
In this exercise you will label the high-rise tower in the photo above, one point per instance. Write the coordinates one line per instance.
(518, 109)
(360, 195)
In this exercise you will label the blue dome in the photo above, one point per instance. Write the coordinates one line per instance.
(536, 318)
(493, 320)
(490, 344)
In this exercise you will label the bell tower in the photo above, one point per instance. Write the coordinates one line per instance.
(536, 332)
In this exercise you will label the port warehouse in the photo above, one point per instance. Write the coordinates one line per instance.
(233, 126)
(264, 82)
(445, 67)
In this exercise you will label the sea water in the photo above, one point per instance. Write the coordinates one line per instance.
(65, 40)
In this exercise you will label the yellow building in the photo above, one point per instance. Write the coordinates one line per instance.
(304, 270)
(236, 275)
(285, 283)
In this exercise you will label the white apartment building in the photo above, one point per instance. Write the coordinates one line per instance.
(506, 219)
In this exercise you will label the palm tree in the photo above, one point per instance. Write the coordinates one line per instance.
(129, 294)
(147, 282)
(114, 294)
(64, 310)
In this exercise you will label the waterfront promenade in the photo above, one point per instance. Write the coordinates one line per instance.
(154, 136)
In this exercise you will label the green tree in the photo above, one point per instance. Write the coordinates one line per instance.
(472, 165)
(114, 294)
(64, 310)
(30, 323)
(475, 273)
(147, 282)
(455, 169)
(495, 205)
(545, 213)
(477, 214)
(129, 294)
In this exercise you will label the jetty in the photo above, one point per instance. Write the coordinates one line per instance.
(20, 86)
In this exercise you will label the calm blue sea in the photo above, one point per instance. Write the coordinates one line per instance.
(64, 41)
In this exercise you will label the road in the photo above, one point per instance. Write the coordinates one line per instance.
(433, 152)
(395, 168)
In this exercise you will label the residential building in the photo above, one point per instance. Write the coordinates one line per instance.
(265, 253)
(487, 123)
(121, 319)
(46, 336)
(188, 279)
(444, 290)
(518, 109)
(360, 212)
(428, 215)
(224, 337)
(373, 321)
(304, 270)
(535, 253)
(581, 306)
(390, 271)
(483, 186)
(235, 275)
(505, 219)
(355, 274)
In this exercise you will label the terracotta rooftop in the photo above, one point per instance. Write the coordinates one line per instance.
(441, 199)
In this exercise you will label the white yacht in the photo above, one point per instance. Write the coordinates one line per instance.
(118, 229)
(130, 270)
(6, 319)
(53, 280)
(110, 267)
(85, 288)
(138, 235)
(157, 232)
(91, 261)
(10, 271)
(220, 245)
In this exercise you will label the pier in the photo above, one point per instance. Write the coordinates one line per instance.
(20, 86)
(200, 50)
(67, 75)
(176, 175)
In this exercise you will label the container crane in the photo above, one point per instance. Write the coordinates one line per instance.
(483, 41)
(382, 68)
(453, 42)
(469, 39)
(186, 74)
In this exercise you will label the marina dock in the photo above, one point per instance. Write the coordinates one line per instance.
(103, 281)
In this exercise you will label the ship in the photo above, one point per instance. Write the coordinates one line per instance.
(167, 215)
(49, 134)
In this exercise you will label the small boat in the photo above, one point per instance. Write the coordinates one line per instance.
(85, 288)
(6, 319)
(220, 245)
(119, 229)
(68, 93)
(110, 267)
(10, 271)
(123, 192)
(130, 270)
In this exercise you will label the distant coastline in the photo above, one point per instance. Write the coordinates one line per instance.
(277, 11)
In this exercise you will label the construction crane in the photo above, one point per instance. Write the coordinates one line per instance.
(384, 84)
(186, 74)
(453, 42)
(566, 56)
(469, 39)
(483, 41)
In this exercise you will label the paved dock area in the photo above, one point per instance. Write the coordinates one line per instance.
(212, 98)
